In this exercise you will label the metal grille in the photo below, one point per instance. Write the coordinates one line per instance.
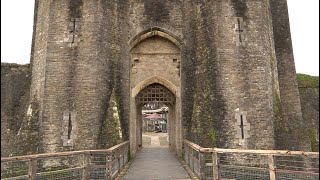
(155, 93)
(296, 175)
(65, 174)
(14, 169)
(215, 163)
(243, 172)
(98, 173)
(192, 157)
(72, 165)
(297, 167)
(98, 163)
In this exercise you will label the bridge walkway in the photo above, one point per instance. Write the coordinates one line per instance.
(155, 161)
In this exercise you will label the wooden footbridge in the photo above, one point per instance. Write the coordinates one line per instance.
(159, 163)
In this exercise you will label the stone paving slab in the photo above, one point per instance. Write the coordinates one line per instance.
(156, 163)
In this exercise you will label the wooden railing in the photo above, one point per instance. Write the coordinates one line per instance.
(87, 164)
(217, 163)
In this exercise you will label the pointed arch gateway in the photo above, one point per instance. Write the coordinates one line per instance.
(155, 76)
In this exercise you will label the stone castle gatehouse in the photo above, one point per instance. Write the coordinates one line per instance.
(224, 68)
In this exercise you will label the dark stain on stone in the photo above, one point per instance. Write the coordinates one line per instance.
(240, 7)
(156, 10)
(75, 8)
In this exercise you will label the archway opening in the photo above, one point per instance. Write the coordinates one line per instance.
(155, 59)
(156, 117)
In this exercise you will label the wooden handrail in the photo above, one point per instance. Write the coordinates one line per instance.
(264, 152)
(67, 153)
(193, 145)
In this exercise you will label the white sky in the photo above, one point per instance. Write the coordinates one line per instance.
(17, 26)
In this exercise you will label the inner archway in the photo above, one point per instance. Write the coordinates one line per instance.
(157, 102)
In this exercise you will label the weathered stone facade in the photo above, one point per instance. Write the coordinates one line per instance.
(19, 124)
(228, 62)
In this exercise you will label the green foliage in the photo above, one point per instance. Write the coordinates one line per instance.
(307, 81)
(313, 140)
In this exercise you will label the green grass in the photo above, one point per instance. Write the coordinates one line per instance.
(307, 81)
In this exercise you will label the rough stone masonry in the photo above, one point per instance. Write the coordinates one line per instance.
(229, 64)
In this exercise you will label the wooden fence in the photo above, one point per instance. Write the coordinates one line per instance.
(73, 165)
(217, 163)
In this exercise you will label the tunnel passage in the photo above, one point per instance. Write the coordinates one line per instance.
(157, 94)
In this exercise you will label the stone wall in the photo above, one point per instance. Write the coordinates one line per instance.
(19, 125)
(220, 76)
(225, 67)
(289, 134)
(309, 98)
(78, 70)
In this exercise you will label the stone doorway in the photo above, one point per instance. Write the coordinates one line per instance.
(163, 92)
(155, 77)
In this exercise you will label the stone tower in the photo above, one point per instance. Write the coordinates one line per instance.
(224, 67)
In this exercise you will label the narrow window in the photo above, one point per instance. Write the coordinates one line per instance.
(69, 126)
(73, 30)
(239, 31)
(241, 126)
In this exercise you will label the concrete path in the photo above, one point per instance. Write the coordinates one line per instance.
(156, 163)
(155, 141)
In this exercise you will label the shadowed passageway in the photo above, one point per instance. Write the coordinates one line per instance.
(155, 161)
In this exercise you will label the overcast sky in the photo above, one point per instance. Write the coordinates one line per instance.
(17, 22)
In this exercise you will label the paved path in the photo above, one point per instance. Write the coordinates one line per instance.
(155, 141)
(156, 163)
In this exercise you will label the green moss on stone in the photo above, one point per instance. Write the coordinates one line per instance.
(213, 137)
(110, 133)
(313, 140)
(280, 123)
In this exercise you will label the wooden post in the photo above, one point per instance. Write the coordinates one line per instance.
(32, 169)
(119, 159)
(109, 166)
(186, 152)
(215, 166)
(202, 161)
(271, 167)
(123, 156)
(86, 170)
(192, 160)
